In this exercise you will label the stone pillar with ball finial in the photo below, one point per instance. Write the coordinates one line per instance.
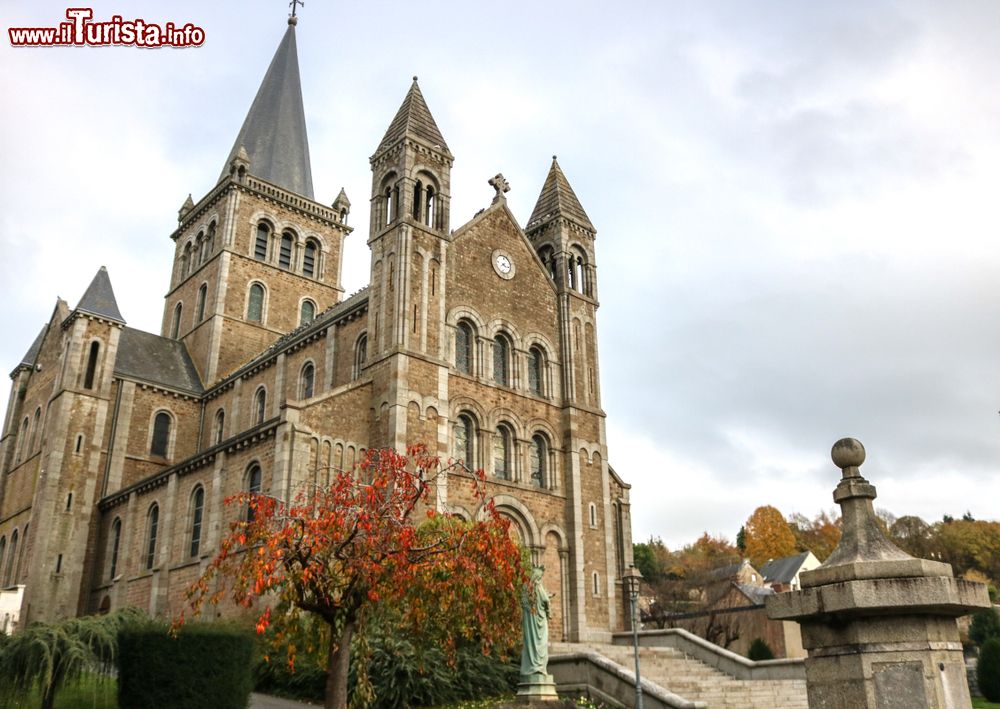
(878, 624)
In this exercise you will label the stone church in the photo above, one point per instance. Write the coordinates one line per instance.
(119, 446)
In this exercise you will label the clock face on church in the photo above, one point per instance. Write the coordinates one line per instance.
(503, 264)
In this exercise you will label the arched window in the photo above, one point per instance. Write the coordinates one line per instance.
(210, 244)
(285, 250)
(175, 326)
(3, 550)
(593, 515)
(548, 258)
(9, 574)
(307, 313)
(501, 452)
(22, 441)
(260, 244)
(306, 380)
(152, 524)
(88, 379)
(197, 510)
(418, 199)
(595, 582)
(260, 406)
(309, 258)
(576, 271)
(465, 336)
(116, 540)
(202, 294)
(465, 441)
(255, 303)
(186, 265)
(501, 360)
(199, 249)
(538, 463)
(253, 486)
(220, 425)
(161, 435)
(360, 354)
(429, 204)
(536, 368)
(36, 424)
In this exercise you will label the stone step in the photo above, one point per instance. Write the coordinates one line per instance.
(692, 679)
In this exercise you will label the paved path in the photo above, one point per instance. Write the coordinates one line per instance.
(265, 701)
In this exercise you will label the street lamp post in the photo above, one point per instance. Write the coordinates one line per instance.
(631, 580)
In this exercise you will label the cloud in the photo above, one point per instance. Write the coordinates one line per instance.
(794, 205)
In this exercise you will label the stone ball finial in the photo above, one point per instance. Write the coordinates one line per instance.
(848, 453)
(293, 20)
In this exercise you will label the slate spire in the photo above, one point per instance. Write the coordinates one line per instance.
(99, 298)
(274, 132)
(557, 199)
(414, 119)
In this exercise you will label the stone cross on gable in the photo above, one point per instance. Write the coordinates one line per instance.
(500, 184)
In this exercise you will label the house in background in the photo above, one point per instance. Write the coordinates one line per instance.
(732, 613)
(783, 574)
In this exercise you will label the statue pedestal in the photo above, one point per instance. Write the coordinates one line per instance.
(536, 687)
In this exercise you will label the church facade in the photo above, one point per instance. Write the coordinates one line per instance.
(119, 446)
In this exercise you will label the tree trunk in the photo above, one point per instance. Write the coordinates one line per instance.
(337, 665)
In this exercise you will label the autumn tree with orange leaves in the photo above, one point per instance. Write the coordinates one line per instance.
(767, 536)
(369, 541)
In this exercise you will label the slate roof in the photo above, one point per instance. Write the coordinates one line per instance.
(157, 360)
(32, 354)
(414, 119)
(99, 298)
(557, 199)
(755, 593)
(722, 573)
(783, 570)
(303, 331)
(274, 131)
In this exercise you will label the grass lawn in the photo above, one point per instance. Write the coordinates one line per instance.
(87, 694)
(980, 703)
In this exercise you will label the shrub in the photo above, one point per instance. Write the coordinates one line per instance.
(404, 675)
(45, 657)
(988, 669)
(985, 625)
(204, 665)
(760, 650)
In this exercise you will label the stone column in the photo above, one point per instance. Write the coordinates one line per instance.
(878, 624)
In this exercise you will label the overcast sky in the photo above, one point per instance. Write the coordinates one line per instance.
(795, 202)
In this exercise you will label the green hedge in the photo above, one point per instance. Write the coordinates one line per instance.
(988, 669)
(760, 650)
(205, 665)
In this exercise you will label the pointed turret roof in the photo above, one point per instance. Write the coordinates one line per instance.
(415, 120)
(274, 132)
(32, 354)
(99, 298)
(558, 199)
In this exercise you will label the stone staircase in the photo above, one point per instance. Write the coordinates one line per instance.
(694, 680)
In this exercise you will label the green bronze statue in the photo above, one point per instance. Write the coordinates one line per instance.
(535, 623)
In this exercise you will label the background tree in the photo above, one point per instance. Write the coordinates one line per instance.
(819, 535)
(677, 578)
(969, 544)
(768, 536)
(913, 535)
(985, 625)
(346, 552)
(652, 558)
